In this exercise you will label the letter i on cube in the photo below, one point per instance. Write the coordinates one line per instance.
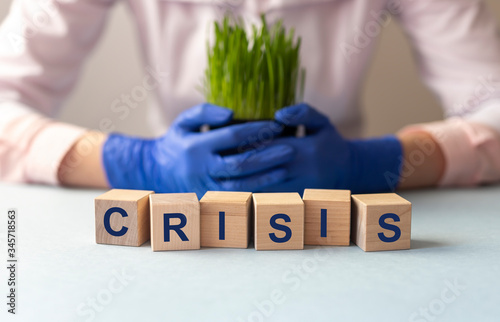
(225, 219)
(327, 217)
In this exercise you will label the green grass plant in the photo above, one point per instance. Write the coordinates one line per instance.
(254, 73)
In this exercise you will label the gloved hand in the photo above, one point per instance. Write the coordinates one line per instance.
(325, 160)
(186, 160)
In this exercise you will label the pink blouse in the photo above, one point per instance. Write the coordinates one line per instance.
(43, 45)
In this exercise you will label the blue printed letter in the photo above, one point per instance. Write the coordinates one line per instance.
(286, 229)
(394, 228)
(222, 225)
(323, 222)
(107, 218)
(167, 227)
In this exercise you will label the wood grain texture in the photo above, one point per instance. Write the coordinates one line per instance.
(186, 204)
(136, 205)
(237, 213)
(337, 206)
(267, 205)
(365, 228)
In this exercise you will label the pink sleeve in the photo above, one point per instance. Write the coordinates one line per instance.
(42, 48)
(471, 150)
(32, 146)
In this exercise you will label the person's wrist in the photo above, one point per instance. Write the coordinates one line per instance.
(82, 165)
(375, 164)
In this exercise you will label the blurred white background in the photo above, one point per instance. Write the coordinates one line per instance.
(393, 95)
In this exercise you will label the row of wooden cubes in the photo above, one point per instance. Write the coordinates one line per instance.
(178, 221)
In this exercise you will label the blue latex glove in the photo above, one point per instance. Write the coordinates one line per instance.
(325, 160)
(187, 160)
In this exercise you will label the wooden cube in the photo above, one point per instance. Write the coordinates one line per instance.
(381, 222)
(175, 221)
(225, 219)
(122, 217)
(279, 221)
(327, 217)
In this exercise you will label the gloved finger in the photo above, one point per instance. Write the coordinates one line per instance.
(255, 182)
(252, 161)
(301, 114)
(193, 118)
(290, 185)
(253, 134)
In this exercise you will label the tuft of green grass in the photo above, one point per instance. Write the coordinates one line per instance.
(255, 73)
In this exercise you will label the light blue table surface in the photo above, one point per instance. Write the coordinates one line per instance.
(452, 272)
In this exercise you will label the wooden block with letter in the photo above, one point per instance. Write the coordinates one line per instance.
(225, 219)
(122, 217)
(381, 222)
(175, 221)
(327, 217)
(279, 221)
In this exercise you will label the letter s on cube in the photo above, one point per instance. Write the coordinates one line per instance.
(381, 222)
(175, 221)
(122, 217)
(279, 221)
